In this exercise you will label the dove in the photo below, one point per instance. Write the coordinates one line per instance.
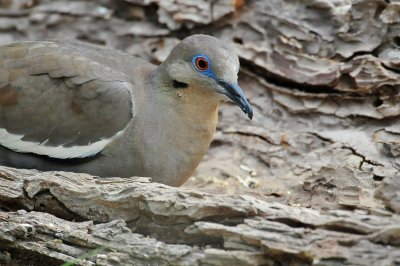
(73, 106)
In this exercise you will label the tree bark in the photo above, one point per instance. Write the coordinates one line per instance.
(67, 215)
(317, 167)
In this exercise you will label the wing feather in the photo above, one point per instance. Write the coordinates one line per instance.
(54, 101)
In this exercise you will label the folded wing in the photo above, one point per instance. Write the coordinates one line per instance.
(54, 101)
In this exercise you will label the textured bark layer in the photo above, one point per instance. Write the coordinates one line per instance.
(175, 226)
(323, 77)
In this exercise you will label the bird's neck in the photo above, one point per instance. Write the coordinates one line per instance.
(198, 107)
(201, 110)
(180, 124)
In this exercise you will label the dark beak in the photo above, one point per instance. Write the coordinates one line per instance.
(235, 93)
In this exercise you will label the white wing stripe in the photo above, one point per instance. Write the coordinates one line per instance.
(15, 143)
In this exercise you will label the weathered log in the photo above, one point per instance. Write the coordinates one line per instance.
(323, 77)
(128, 221)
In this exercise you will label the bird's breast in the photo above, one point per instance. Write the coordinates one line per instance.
(171, 146)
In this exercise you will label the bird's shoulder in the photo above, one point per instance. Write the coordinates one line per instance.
(61, 54)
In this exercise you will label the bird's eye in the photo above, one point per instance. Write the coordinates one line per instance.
(201, 63)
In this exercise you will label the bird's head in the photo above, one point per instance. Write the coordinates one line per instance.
(206, 63)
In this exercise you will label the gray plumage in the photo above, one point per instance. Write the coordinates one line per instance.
(85, 108)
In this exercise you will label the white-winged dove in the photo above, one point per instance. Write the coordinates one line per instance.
(84, 108)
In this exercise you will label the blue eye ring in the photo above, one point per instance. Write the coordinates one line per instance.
(201, 62)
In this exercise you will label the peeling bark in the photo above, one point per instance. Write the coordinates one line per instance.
(323, 78)
(182, 227)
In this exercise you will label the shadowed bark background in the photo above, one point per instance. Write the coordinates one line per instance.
(323, 77)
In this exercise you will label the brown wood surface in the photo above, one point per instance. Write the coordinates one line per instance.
(312, 180)
(54, 217)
